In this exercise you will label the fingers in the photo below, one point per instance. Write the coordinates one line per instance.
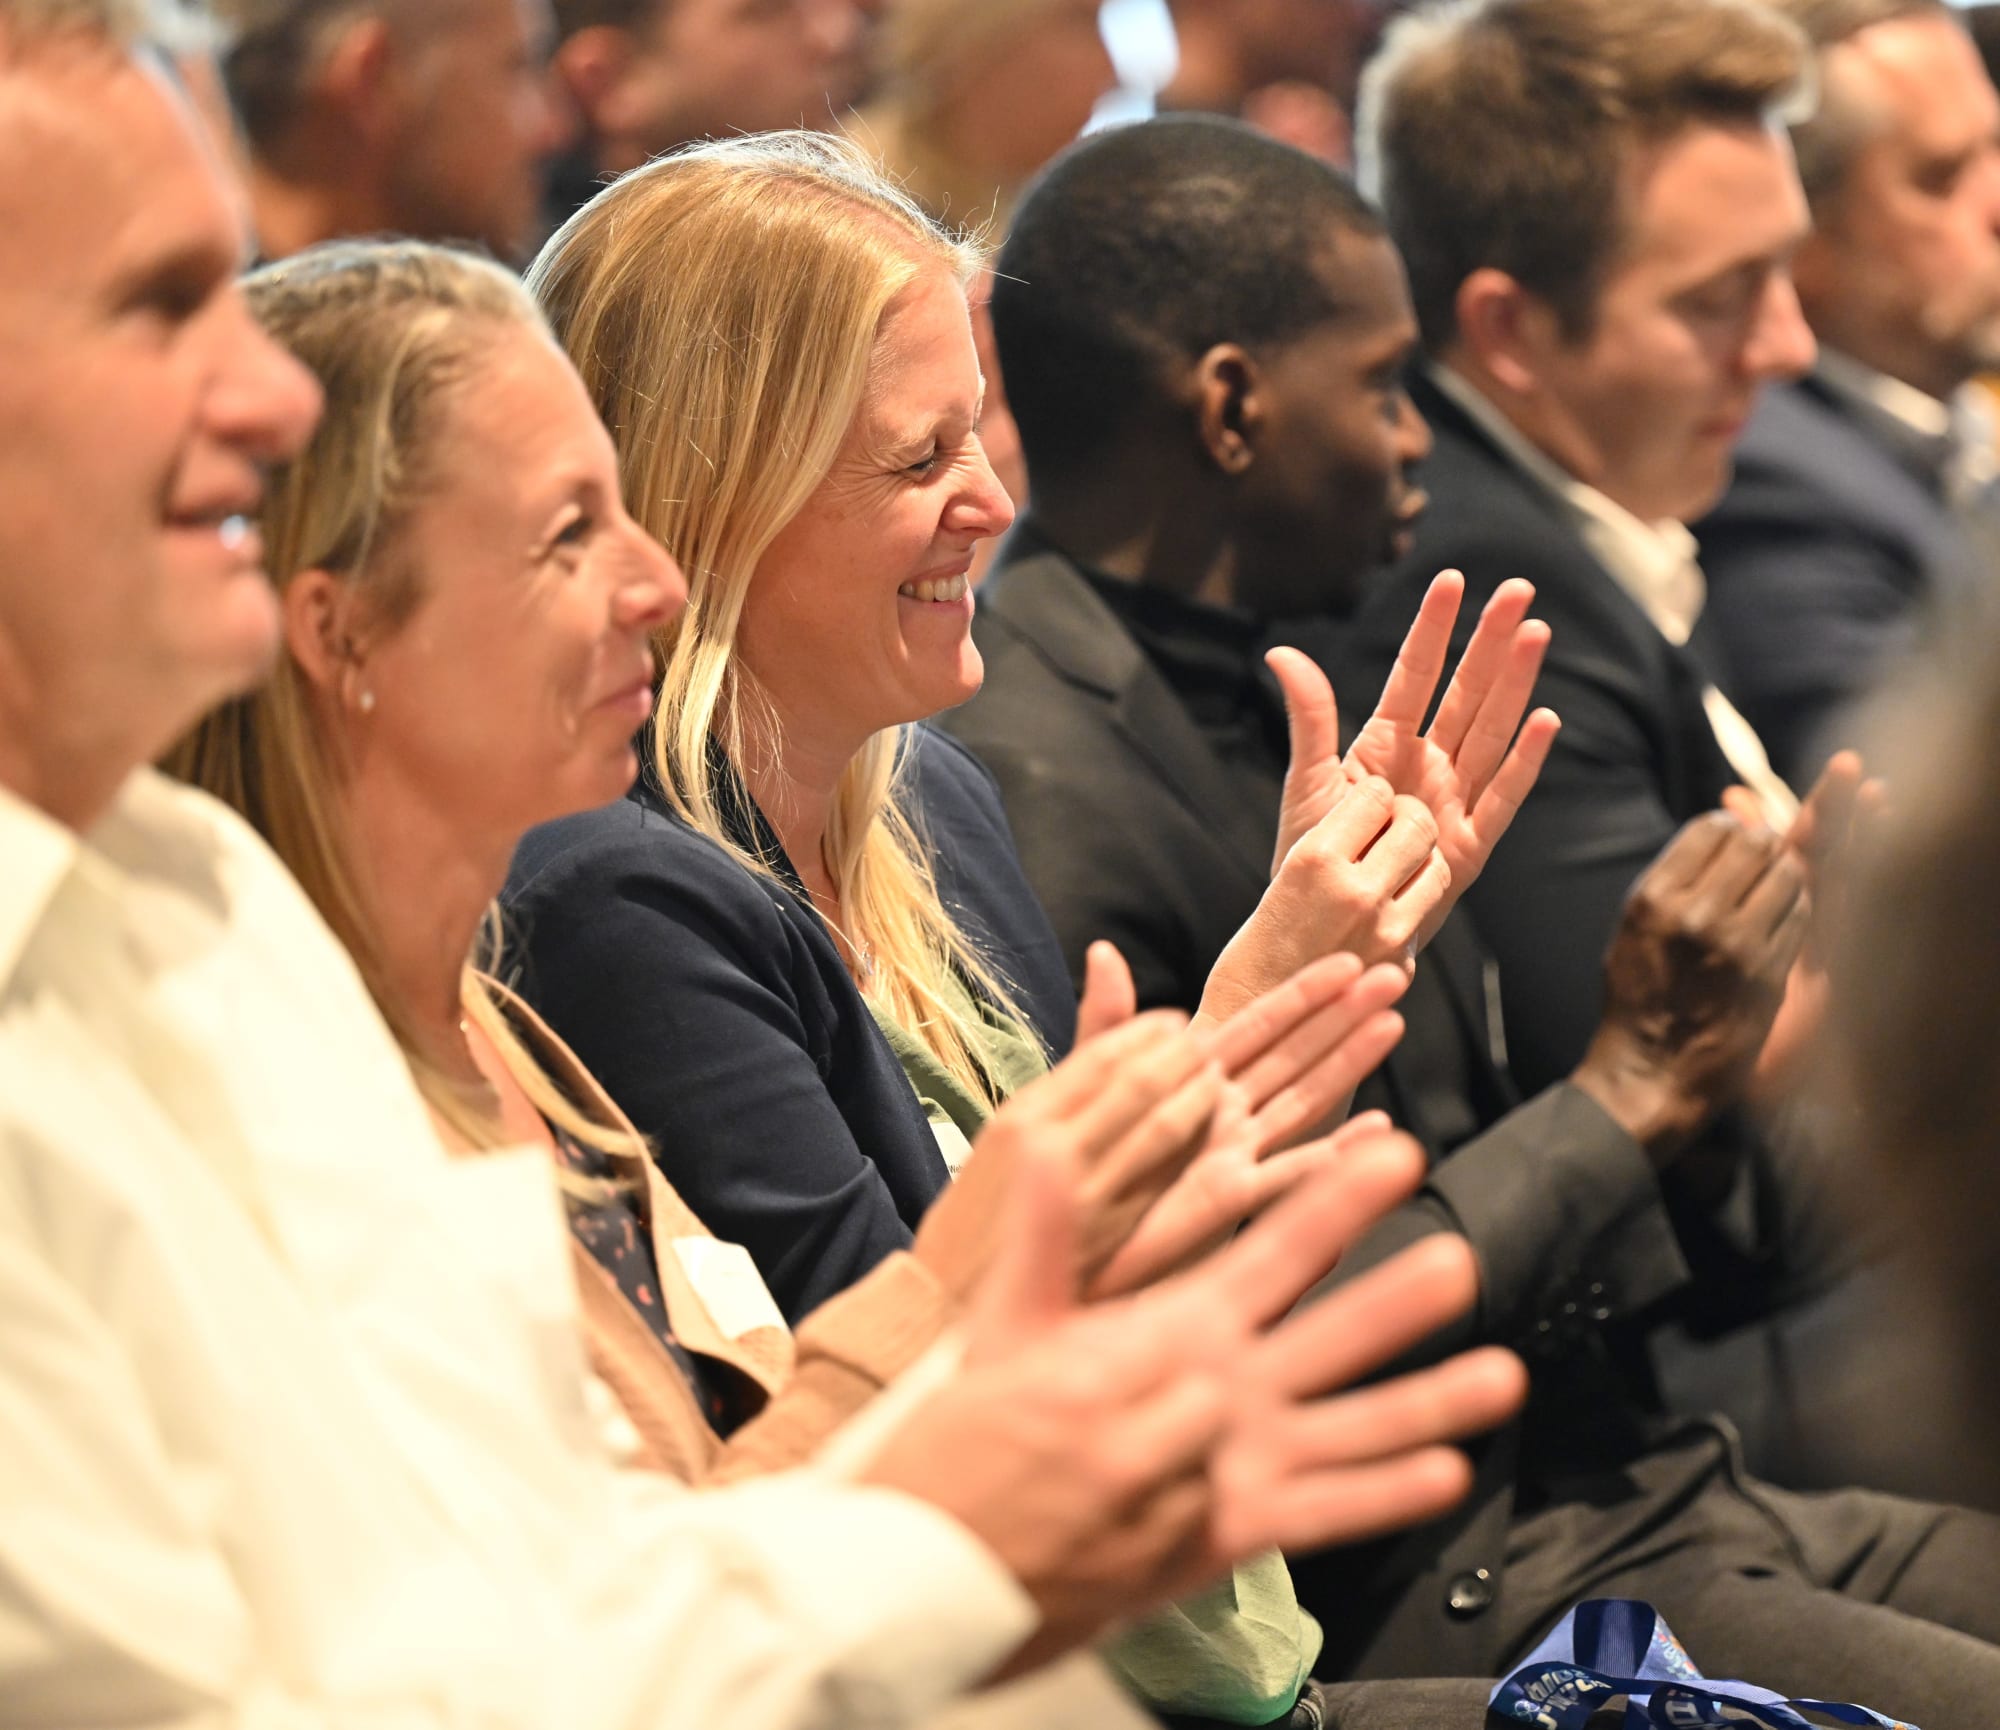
(1499, 651)
(1312, 717)
(1371, 1319)
(1499, 715)
(1460, 1397)
(1777, 893)
(1273, 1018)
(1827, 815)
(1413, 680)
(1300, 1108)
(1272, 1263)
(1164, 1143)
(1341, 1505)
(1515, 779)
(1402, 848)
(1083, 1075)
(1744, 806)
(1304, 1047)
(1109, 997)
(1683, 860)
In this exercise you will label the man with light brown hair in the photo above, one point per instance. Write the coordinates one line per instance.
(1864, 507)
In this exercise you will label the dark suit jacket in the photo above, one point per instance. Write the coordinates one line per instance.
(1832, 540)
(713, 1006)
(1636, 757)
(1130, 828)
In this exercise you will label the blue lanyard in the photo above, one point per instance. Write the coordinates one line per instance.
(1608, 1649)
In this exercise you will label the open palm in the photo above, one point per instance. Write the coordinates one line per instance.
(1475, 763)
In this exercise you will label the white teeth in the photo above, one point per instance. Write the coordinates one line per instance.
(940, 589)
(233, 531)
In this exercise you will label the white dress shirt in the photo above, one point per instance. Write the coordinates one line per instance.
(1654, 563)
(1963, 426)
(292, 1417)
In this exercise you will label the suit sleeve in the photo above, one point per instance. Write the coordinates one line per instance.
(680, 990)
(1564, 1214)
(1808, 606)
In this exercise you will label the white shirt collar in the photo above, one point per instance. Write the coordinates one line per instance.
(1965, 423)
(37, 855)
(1654, 563)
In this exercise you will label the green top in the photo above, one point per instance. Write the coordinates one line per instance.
(1239, 1652)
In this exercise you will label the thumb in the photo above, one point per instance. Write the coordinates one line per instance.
(1031, 1283)
(1109, 999)
(1311, 716)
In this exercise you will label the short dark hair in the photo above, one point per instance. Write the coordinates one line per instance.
(1139, 249)
(1495, 132)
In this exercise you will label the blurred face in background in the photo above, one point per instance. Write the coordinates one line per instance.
(1024, 90)
(481, 117)
(1902, 271)
(709, 68)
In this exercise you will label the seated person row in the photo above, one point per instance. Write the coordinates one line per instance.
(361, 762)
(1863, 517)
(805, 1009)
(279, 1375)
(1213, 469)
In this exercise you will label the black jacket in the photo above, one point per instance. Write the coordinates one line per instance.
(1130, 828)
(714, 1006)
(1636, 757)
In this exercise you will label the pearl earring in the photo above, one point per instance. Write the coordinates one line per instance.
(367, 701)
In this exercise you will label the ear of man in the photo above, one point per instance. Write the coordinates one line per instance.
(1504, 328)
(1230, 408)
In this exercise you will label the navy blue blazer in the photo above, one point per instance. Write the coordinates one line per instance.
(714, 1006)
(1834, 541)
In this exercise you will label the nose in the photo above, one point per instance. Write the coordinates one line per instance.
(982, 508)
(1413, 433)
(654, 588)
(261, 402)
(1781, 343)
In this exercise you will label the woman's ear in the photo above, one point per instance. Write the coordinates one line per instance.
(1229, 407)
(321, 636)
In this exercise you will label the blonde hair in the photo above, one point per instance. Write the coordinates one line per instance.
(30, 25)
(390, 330)
(722, 305)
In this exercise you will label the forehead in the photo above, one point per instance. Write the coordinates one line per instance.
(1707, 200)
(924, 342)
(103, 171)
(526, 414)
(1926, 78)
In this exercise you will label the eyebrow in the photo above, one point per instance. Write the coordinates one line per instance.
(195, 265)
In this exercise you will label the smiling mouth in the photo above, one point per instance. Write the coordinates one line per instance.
(940, 589)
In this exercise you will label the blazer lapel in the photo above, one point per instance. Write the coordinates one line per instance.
(1044, 598)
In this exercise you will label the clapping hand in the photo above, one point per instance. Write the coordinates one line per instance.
(1471, 768)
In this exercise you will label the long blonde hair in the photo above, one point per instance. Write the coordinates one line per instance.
(389, 330)
(723, 305)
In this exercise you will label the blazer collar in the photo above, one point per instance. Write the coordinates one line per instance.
(1042, 595)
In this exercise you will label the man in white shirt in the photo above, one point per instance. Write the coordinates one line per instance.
(1864, 506)
(293, 1428)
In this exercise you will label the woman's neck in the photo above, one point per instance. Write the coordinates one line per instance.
(426, 884)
